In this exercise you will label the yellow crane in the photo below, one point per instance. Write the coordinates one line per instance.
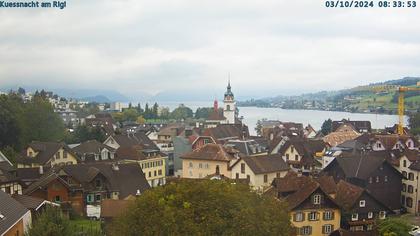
(401, 93)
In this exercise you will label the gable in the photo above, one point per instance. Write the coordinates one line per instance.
(308, 203)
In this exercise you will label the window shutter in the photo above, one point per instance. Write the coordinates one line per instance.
(323, 229)
(318, 215)
(294, 217)
(310, 230)
(303, 216)
(332, 215)
(324, 216)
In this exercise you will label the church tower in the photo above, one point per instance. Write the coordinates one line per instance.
(229, 109)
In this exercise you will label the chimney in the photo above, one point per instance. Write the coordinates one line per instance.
(41, 170)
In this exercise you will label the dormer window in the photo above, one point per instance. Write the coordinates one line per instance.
(404, 163)
(362, 203)
(370, 215)
(317, 199)
(354, 216)
(378, 145)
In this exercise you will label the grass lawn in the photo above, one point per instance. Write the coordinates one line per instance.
(87, 226)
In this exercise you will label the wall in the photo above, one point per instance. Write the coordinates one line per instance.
(197, 173)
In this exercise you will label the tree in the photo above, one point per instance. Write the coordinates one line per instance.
(155, 110)
(130, 114)
(203, 112)
(11, 123)
(203, 207)
(181, 112)
(50, 223)
(414, 123)
(21, 91)
(141, 120)
(393, 227)
(326, 127)
(41, 123)
(164, 113)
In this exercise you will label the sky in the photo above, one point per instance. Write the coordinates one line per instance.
(269, 47)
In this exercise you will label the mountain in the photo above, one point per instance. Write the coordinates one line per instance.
(98, 99)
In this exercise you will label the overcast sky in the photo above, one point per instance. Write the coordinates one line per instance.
(269, 47)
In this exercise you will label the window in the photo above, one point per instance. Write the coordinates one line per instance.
(217, 169)
(200, 165)
(57, 198)
(98, 197)
(370, 215)
(191, 165)
(354, 216)
(370, 180)
(312, 216)
(362, 203)
(385, 178)
(155, 173)
(243, 168)
(377, 179)
(191, 174)
(292, 149)
(207, 165)
(265, 178)
(306, 230)
(98, 183)
(89, 198)
(404, 174)
(278, 175)
(64, 154)
(317, 199)
(296, 157)
(404, 187)
(404, 163)
(327, 229)
(369, 227)
(237, 175)
(402, 200)
(409, 202)
(410, 189)
(150, 174)
(287, 156)
(382, 215)
(411, 176)
(159, 172)
(328, 215)
(227, 107)
(299, 216)
(379, 145)
(57, 155)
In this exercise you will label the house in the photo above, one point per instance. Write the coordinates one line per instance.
(247, 147)
(372, 171)
(299, 153)
(151, 161)
(130, 139)
(360, 209)
(382, 142)
(272, 130)
(312, 210)
(207, 160)
(103, 121)
(14, 217)
(260, 170)
(408, 163)
(137, 147)
(339, 137)
(225, 132)
(359, 126)
(35, 205)
(92, 150)
(83, 186)
(46, 154)
(9, 182)
(309, 132)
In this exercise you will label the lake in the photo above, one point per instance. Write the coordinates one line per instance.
(315, 118)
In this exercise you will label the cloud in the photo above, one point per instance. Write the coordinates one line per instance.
(269, 47)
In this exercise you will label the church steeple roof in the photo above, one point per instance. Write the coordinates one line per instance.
(229, 90)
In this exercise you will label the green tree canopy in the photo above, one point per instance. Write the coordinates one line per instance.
(414, 123)
(50, 223)
(326, 127)
(393, 227)
(203, 207)
(182, 112)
